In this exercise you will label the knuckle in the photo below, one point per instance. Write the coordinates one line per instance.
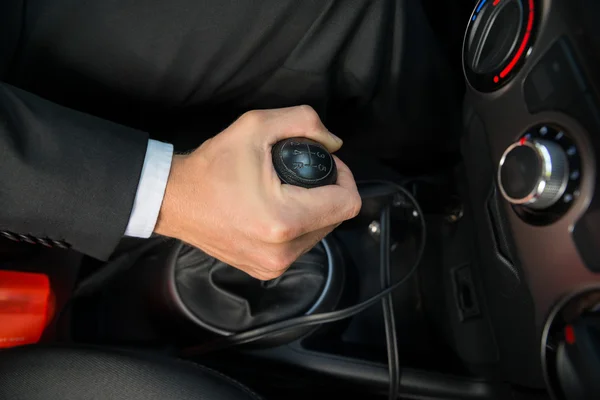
(273, 265)
(280, 232)
(355, 206)
(310, 115)
(278, 263)
(254, 117)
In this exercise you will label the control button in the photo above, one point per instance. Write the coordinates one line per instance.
(556, 81)
(560, 148)
(494, 36)
(498, 42)
(520, 172)
(533, 173)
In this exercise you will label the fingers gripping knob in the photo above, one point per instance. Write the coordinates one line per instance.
(303, 162)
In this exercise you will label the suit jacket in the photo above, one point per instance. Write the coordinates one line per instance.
(66, 178)
(191, 67)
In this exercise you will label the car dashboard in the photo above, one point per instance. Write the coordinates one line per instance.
(532, 136)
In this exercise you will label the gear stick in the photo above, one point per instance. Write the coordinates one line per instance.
(303, 162)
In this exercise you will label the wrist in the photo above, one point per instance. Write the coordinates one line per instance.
(167, 223)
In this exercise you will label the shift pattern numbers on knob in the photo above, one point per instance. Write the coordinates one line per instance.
(303, 162)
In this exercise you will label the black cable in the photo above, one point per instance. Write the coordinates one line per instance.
(315, 319)
(388, 304)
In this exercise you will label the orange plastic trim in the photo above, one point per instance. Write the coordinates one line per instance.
(26, 307)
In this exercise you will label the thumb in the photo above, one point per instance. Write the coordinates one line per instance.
(300, 121)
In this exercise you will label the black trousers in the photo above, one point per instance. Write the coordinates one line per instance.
(184, 69)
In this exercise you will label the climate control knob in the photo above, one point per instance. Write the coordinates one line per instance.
(533, 173)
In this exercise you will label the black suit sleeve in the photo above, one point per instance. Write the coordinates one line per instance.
(65, 175)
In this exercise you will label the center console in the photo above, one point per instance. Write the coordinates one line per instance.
(532, 138)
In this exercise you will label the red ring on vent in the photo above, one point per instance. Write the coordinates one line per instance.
(524, 43)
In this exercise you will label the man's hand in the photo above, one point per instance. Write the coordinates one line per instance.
(226, 199)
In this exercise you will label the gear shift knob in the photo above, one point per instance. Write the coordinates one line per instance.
(303, 162)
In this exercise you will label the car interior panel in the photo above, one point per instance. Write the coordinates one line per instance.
(471, 272)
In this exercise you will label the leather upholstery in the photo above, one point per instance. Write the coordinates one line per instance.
(229, 300)
(76, 373)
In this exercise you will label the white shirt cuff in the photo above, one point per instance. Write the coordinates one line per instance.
(151, 189)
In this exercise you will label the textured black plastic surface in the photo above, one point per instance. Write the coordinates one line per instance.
(555, 81)
(508, 304)
(415, 384)
(303, 162)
